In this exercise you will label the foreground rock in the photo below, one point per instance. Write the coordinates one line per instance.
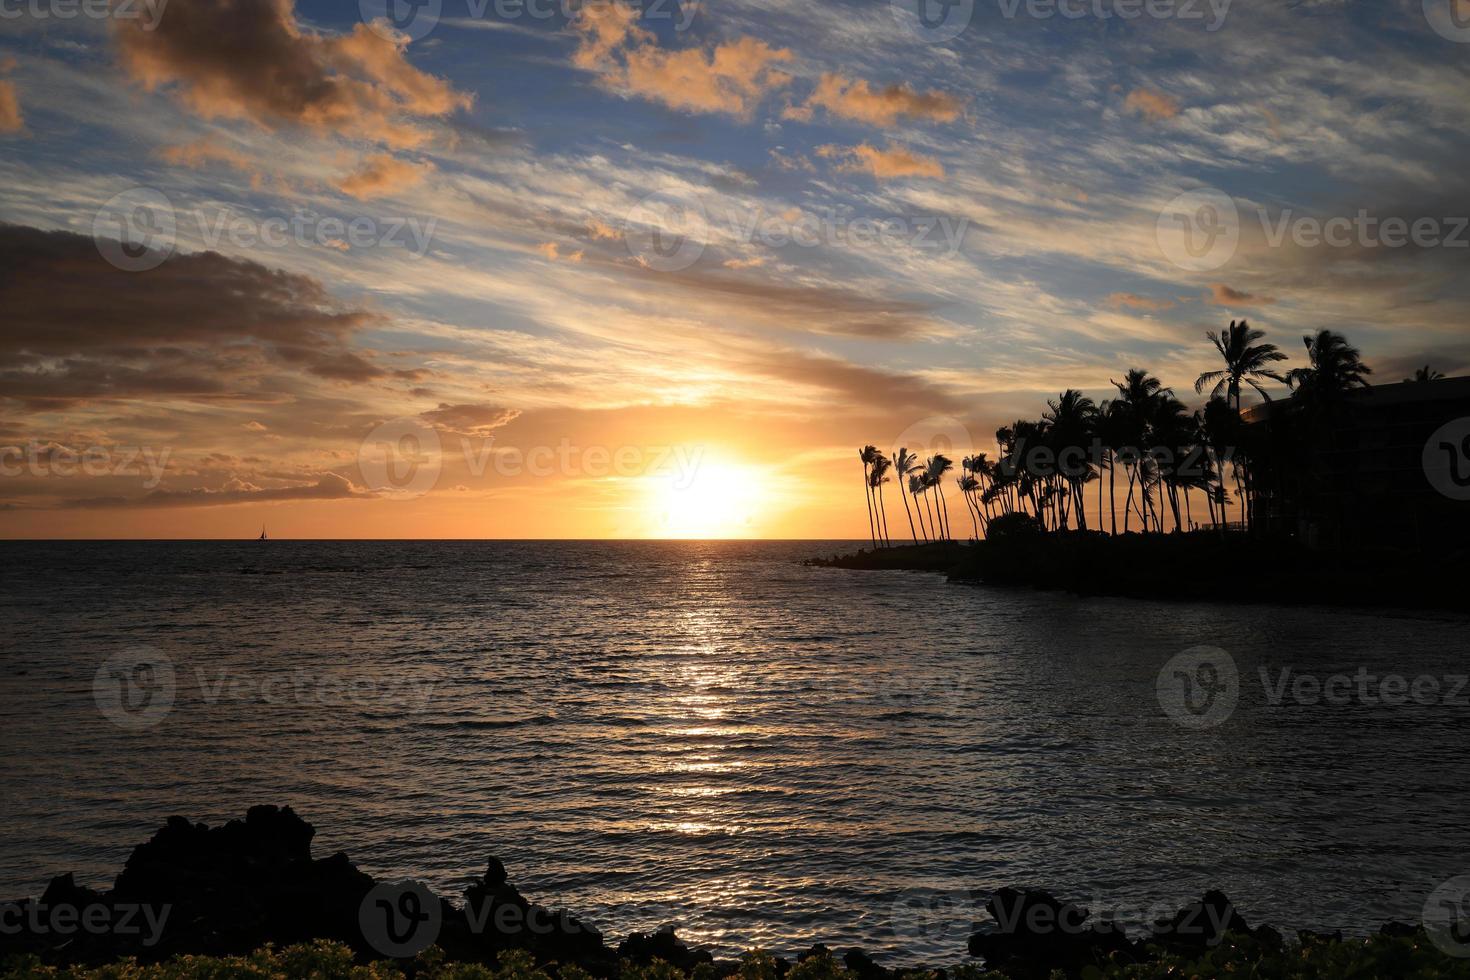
(233, 889)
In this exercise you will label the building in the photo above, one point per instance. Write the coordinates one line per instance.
(1389, 467)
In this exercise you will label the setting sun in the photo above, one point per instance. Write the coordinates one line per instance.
(719, 500)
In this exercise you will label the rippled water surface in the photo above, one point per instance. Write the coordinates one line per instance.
(712, 735)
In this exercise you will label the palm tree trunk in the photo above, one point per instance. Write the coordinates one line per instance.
(1128, 504)
(883, 518)
(1113, 494)
(868, 495)
(948, 534)
(904, 496)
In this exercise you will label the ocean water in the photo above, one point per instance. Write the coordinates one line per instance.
(714, 736)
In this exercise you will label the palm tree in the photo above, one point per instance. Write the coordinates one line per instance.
(1245, 360)
(938, 465)
(904, 464)
(881, 466)
(867, 454)
(968, 486)
(916, 487)
(1070, 420)
(1137, 393)
(1426, 373)
(1336, 367)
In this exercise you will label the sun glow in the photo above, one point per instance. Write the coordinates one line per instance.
(720, 500)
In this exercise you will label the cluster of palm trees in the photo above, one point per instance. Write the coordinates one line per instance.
(1144, 437)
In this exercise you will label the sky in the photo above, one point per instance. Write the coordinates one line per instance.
(542, 269)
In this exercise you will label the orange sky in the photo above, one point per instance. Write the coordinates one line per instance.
(686, 267)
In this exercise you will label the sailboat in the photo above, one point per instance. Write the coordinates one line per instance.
(262, 533)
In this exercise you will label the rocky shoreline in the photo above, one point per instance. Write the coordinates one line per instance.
(231, 890)
(1195, 567)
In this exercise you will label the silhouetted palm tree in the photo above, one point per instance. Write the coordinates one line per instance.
(867, 454)
(1070, 420)
(968, 486)
(938, 465)
(1426, 373)
(1137, 393)
(881, 466)
(1245, 360)
(916, 487)
(1336, 368)
(904, 464)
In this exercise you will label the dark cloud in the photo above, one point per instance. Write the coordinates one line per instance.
(252, 59)
(200, 325)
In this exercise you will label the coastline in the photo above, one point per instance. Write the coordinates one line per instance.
(1195, 567)
(250, 897)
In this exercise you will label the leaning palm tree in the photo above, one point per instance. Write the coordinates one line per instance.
(969, 486)
(881, 465)
(1245, 360)
(938, 465)
(904, 464)
(868, 454)
(1426, 373)
(916, 487)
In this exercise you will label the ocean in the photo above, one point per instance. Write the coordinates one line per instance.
(711, 735)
